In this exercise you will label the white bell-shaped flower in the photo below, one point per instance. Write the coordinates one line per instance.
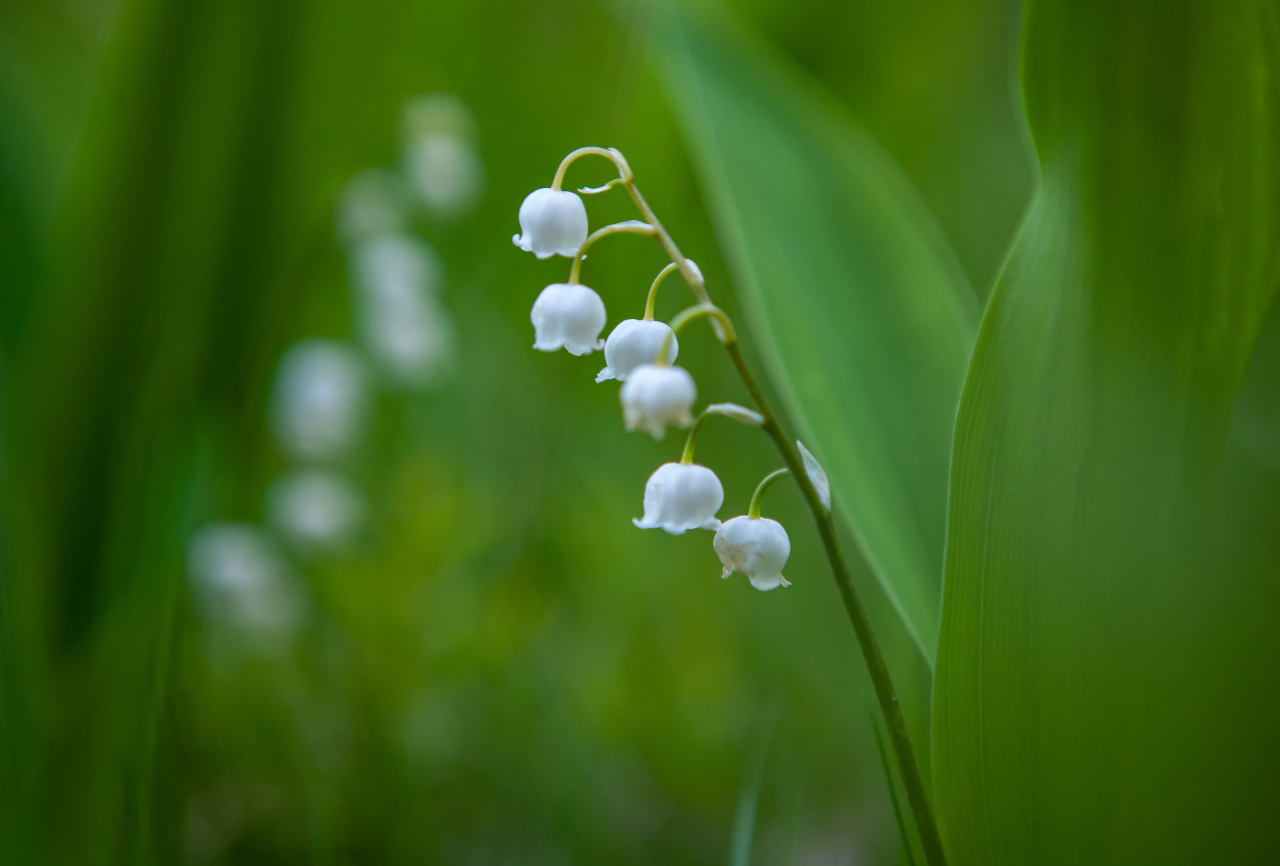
(569, 316)
(552, 221)
(654, 396)
(755, 546)
(632, 343)
(681, 496)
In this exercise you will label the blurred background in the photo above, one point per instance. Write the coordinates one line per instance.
(307, 556)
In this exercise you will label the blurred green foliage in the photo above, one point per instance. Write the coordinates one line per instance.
(1109, 613)
(504, 669)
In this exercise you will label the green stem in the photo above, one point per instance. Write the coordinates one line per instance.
(723, 328)
(741, 414)
(633, 227)
(653, 291)
(757, 498)
(689, 444)
(895, 722)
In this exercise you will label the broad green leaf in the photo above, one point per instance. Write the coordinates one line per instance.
(1105, 689)
(861, 311)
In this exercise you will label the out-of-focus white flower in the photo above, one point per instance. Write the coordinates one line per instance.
(405, 329)
(446, 171)
(817, 475)
(632, 343)
(439, 153)
(394, 265)
(320, 400)
(413, 341)
(241, 581)
(654, 396)
(681, 496)
(317, 510)
(755, 546)
(568, 315)
(552, 222)
(373, 203)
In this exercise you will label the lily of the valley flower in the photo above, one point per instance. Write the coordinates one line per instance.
(569, 316)
(755, 546)
(681, 496)
(553, 221)
(632, 343)
(654, 396)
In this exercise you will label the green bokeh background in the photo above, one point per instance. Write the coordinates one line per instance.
(505, 670)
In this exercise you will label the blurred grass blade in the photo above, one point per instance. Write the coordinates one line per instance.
(862, 313)
(1105, 682)
(744, 819)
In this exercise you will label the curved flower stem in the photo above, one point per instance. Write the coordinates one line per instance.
(722, 323)
(634, 227)
(757, 498)
(886, 695)
(578, 154)
(653, 290)
(738, 413)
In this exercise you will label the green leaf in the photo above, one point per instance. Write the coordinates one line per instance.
(1105, 682)
(861, 311)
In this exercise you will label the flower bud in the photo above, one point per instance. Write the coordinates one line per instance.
(681, 496)
(632, 343)
(568, 315)
(553, 222)
(755, 546)
(654, 396)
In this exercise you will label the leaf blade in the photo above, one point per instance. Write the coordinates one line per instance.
(1093, 629)
(863, 314)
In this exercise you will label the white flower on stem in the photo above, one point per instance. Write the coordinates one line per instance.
(755, 546)
(552, 221)
(632, 343)
(681, 496)
(569, 316)
(654, 396)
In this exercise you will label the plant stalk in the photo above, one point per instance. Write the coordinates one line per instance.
(887, 696)
(895, 722)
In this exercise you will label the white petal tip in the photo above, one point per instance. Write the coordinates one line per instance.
(604, 375)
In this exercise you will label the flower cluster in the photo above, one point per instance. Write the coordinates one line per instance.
(247, 577)
(640, 354)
